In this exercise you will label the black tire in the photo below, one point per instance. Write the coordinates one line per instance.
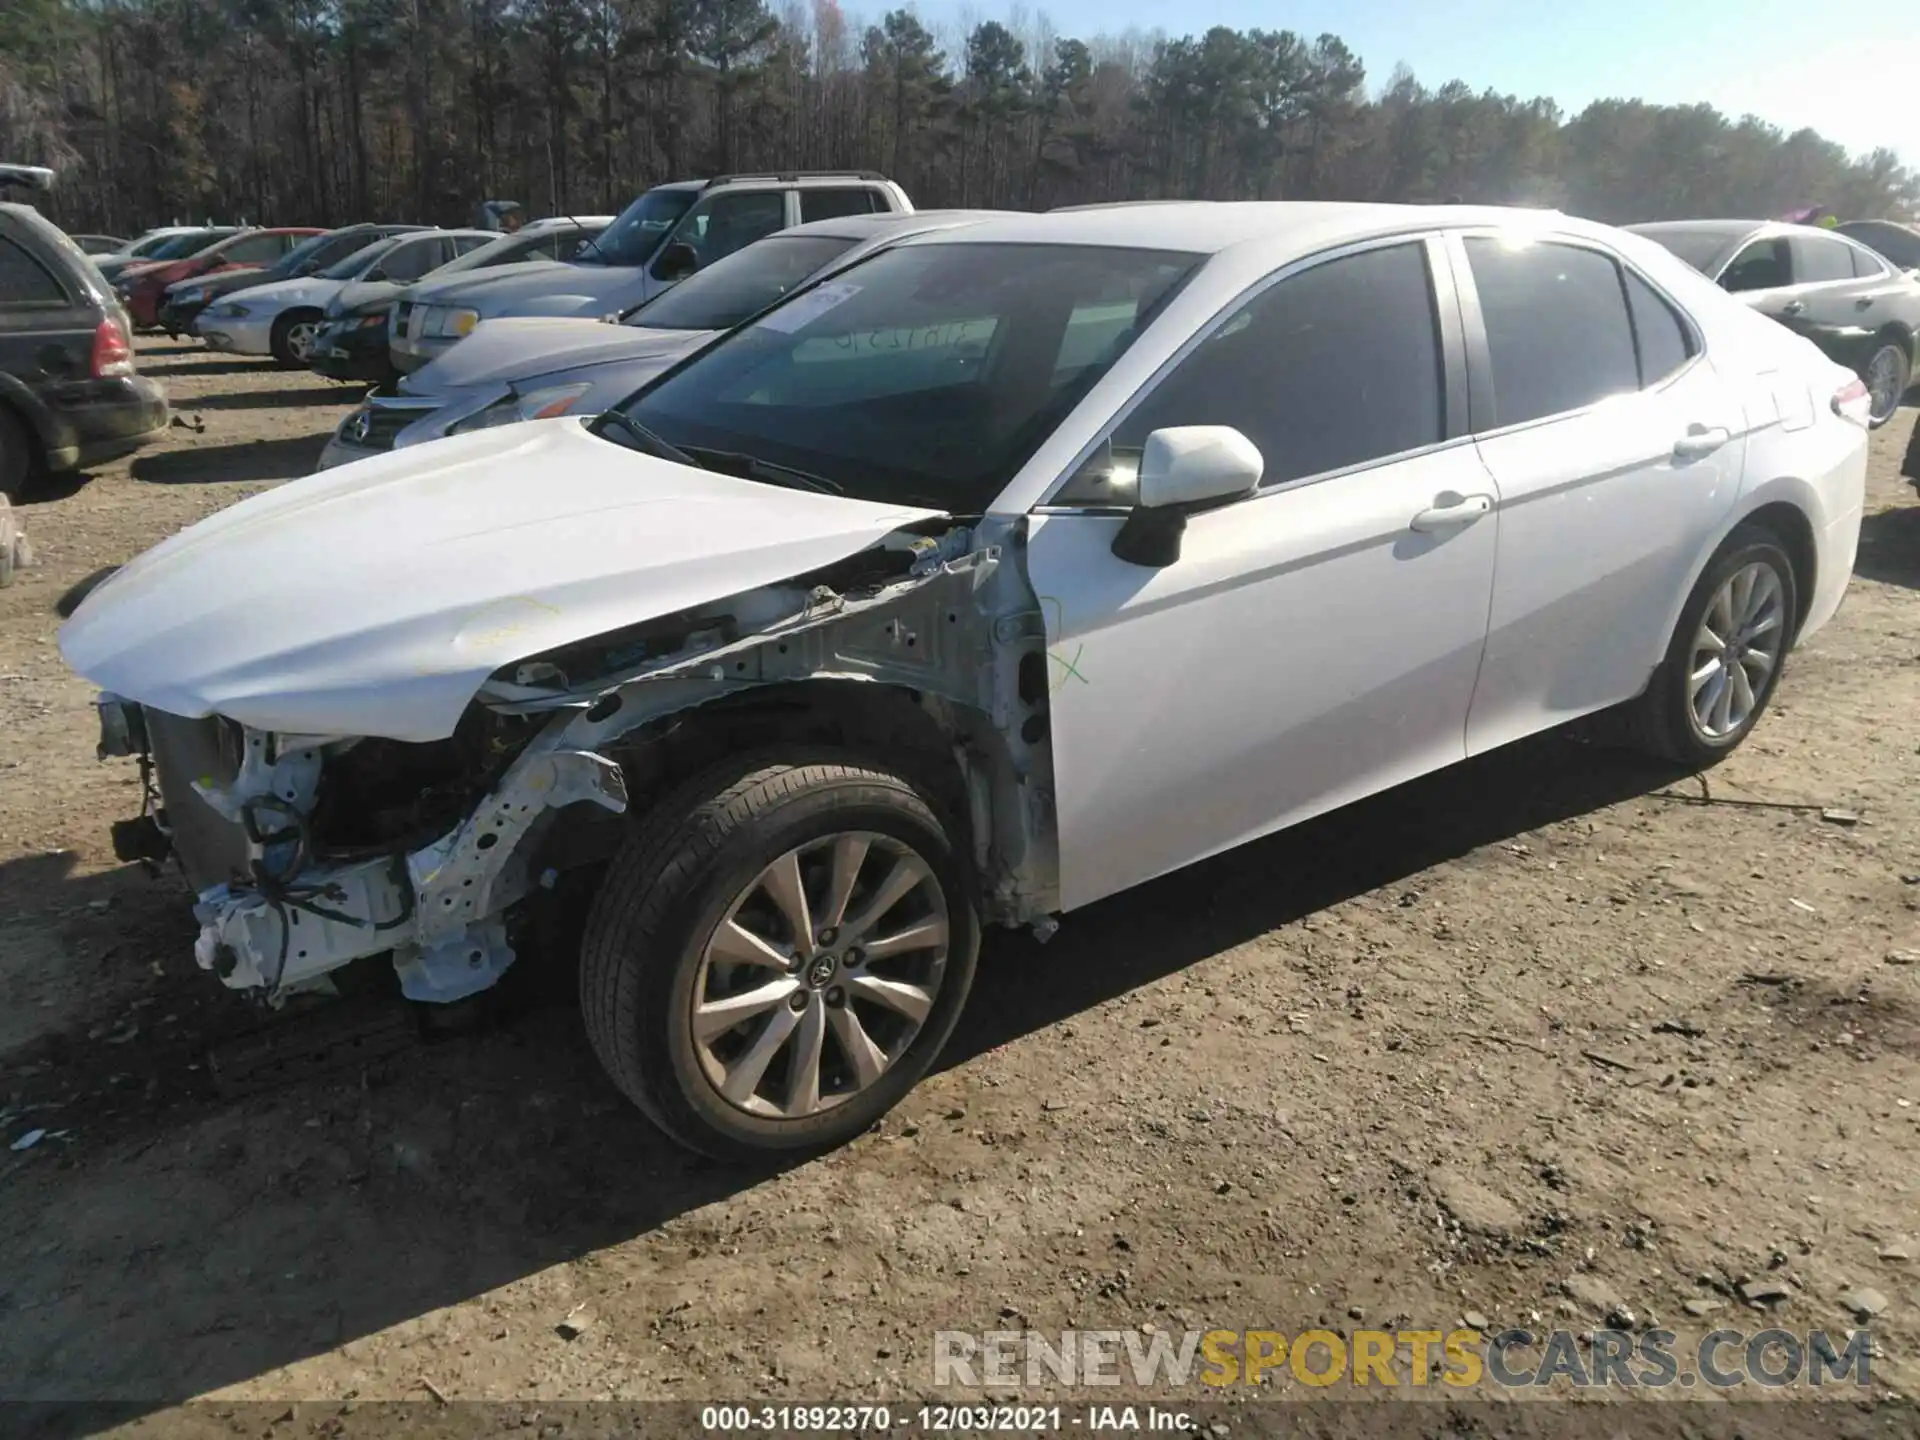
(1661, 722)
(17, 459)
(281, 342)
(1891, 351)
(673, 882)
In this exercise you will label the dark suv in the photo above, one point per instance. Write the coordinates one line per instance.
(69, 394)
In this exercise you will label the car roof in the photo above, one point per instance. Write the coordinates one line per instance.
(1207, 227)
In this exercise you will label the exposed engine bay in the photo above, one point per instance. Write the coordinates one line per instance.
(308, 852)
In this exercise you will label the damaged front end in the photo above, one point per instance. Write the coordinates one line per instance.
(309, 852)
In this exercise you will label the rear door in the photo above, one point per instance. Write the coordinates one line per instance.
(1617, 450)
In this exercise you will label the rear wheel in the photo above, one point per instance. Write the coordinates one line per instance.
(293, 337)
(1889, 371)
(778, 954)
(1724, 660)
(16, 455)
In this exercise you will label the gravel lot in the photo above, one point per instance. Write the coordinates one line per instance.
(1536, 1039)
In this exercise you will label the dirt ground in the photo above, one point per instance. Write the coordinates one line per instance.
(1536, 1040)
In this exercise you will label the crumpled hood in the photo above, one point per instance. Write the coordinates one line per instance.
(376, 598)
(363, 295)
(284, 294)
(503, 351)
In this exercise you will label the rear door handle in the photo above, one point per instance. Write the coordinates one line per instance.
(1793, 307)
(1701, 440)
(1865, 302)
(1455, 510)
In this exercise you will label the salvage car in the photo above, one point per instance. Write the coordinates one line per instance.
(143, 288)
(283, 320)
(353, 343)
(173, 243)
(1847, 299)
(1013, 566)
(663, 237)
(528, 369)
(71, 395)
(187, 298)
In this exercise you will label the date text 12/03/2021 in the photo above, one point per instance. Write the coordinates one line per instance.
(944, 1419)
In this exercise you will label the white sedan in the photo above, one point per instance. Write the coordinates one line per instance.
(1009, 568)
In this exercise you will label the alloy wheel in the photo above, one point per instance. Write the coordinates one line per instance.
(820, 974)
(1736, 651)
(300, 336)
(1886, 380)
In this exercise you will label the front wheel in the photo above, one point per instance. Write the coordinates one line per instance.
(293, 336)
(1724, 661)
(778, 954)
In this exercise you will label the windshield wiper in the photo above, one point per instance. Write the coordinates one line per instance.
(752, 467)
(645, 440)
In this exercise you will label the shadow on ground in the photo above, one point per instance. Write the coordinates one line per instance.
(252, 1233)
(325, 392)
(193, 362)
(1890, 547)
(242, 461)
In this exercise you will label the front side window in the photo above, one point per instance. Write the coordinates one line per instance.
(1763, 265)
(729, 223)
(360, 261)
(1820, 260)
(252, 250)
(927, 374)
(637, 233)
(1558, 334)
(745, 283)
(407, 263)
(1332, 367)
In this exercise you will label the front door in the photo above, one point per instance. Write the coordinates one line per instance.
(1314, 642)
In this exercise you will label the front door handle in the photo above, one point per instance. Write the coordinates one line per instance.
(1865, 302)
(1701, 440)
(1793, 307)
(1452, 510)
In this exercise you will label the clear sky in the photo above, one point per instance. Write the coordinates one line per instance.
(1850, 72)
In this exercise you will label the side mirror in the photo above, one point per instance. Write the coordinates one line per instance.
(676, 262)
(1183, 469)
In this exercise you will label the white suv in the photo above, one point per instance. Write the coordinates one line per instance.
(661, 238)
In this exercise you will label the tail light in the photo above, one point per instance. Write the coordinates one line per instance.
(1853, 402)
(112, 355)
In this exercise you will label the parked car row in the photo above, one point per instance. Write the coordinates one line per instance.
(952, 571)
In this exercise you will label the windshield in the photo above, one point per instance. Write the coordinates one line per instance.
(1705, 250)
(632, 239)
(360, 259)
(925, 375)
(740, 285)
(148, 247)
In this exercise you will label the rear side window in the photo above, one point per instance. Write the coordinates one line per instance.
(1557, 328)
(24, 280)
(1818, 259)
(832, 204)
(1335, 366)
(1664, 342)
(466, 244)
(1866, 265)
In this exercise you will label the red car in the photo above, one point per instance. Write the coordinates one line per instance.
(142, 288)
